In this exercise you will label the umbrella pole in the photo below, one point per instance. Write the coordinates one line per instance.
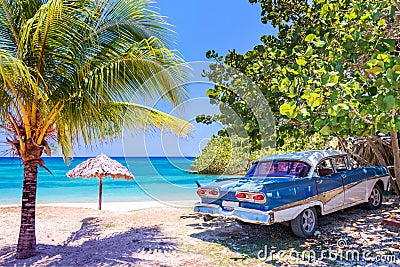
(100, 191)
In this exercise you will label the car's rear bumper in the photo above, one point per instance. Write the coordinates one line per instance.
(242, 214)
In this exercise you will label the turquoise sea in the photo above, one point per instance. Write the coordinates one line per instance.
(156, 178)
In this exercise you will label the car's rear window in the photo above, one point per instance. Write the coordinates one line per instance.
(278, 169)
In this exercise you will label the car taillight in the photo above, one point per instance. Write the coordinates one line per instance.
(256, 197)
(201, 192)
(213, 192)
(241, 195)
(259, 197)
(208, 192)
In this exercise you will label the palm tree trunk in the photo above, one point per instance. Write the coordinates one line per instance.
(100, 192)
(27, 237)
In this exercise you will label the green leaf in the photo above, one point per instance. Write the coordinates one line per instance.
(338, 110)
(319, 123)
(343, 106)
(396, 69)
(390, 101)
(350, 37)
(332, 111)
(381, 22)
(292, 91)
(383, 57)
(304, 112)
(310, 38)
(324, 10)
(326, 130)
(295, 72)
(366, 16)
(375, 70)
(283, 87)
(390, 44)
(321, 70)
(309, 51)
(284, 109)
(211, 93)
(333, 79)
(288, 110)
(319, 43)
(301, 61)
(353, 15)
(385, 103)
(314, 100)
(374, 62)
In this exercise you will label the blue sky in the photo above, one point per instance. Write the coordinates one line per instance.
(220, 25)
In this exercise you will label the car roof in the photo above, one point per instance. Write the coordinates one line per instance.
(312, 157)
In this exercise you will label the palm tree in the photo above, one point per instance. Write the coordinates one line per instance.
(69, 70)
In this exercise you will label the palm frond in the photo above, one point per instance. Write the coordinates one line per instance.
(15, 74)
(71, 68)
(145, 70)
(114, 118)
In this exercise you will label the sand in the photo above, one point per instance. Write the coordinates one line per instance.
(154, 234)
(127, 234)
(121, 207)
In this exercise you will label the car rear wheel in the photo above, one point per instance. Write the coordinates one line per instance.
(305, 224)
(207, 218)
(375, 198)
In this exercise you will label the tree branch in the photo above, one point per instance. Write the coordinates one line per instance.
(367, 121)
(378, 154)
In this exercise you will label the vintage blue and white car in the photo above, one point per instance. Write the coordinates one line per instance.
(294, 187)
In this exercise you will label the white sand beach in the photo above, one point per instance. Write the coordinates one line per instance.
(111, 206)
(121, 207)
(133, 234)
(153, 234)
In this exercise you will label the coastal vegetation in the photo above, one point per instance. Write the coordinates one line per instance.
(332, 69)
(233, 155)
(70, 73)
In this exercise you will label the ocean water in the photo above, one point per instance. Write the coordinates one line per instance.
(157, 178)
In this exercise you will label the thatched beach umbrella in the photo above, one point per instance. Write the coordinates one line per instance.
(100, 167)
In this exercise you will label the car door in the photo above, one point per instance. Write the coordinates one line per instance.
(354, 190)
(329, 185)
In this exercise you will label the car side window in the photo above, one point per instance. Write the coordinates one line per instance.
(341, 163)
(325, 167)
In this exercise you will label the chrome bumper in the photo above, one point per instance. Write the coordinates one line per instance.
(242, 214)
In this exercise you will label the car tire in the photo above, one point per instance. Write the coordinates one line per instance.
(207, 218)
(374, 199)
(305, 224)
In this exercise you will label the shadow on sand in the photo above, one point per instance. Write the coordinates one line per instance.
(85, 248)
(254, 241)
(246, 239)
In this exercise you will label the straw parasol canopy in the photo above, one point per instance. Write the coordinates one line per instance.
(100, 167)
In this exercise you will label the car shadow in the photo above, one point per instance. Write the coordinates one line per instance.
(255, 241)
(84, 247)
(249, 240)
